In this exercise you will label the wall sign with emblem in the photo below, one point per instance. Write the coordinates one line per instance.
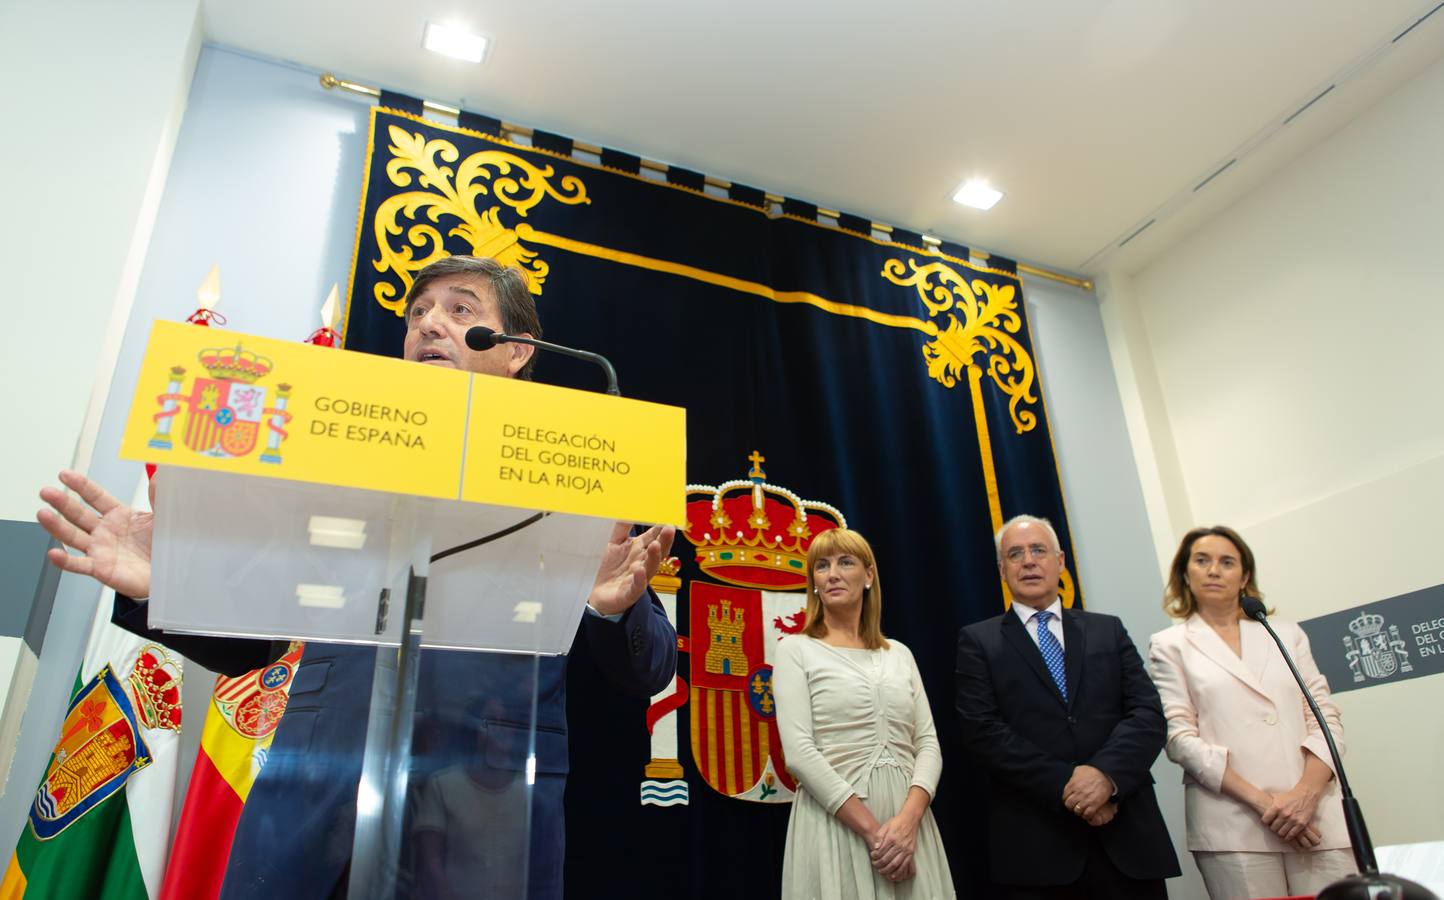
(1391, 640)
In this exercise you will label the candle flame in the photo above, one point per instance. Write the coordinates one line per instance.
(209, 293)
(331, 309)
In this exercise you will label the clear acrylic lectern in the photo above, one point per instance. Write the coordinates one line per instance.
(467, 606)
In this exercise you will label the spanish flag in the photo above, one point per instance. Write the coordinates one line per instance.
(240, 724)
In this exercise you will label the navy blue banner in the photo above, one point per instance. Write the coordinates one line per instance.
(828, 377)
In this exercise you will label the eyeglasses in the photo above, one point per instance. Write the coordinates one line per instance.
(1032, 551)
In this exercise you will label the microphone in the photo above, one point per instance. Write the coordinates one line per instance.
(479, 337)
(1369, 883)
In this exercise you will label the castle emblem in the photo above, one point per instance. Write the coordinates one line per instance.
(753, 536)
(1373, 652)
(724, 650)
(100, 746)
(226, 412)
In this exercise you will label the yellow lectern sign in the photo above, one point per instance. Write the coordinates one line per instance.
(257, 406)
(546, 448)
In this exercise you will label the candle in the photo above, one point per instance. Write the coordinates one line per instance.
(207, 296)
(326, 335)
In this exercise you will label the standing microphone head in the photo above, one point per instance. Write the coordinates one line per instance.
(479, 337)
(1252, 607)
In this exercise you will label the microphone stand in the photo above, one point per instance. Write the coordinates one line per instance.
(480, 337)
(1369, 884)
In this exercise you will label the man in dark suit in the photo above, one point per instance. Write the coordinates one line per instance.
(294, 837)
(1057, 708)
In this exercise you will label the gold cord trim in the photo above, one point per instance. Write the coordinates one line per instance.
(985, 453)
(526, 232)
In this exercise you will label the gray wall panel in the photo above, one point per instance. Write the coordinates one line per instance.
(28, 582)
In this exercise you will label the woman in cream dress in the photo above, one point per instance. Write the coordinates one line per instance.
(858, 735)
(1261, 802)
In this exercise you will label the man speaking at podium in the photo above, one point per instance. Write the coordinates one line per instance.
(294, 837)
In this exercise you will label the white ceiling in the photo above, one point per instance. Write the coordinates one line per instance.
(1090, 115)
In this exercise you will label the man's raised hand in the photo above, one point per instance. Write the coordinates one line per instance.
(112, 541)
(627, 565)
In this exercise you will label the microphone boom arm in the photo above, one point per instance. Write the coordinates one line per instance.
(479, 337)
(1353, 816)
(587, 355)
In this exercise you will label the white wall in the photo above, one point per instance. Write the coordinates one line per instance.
(1282, 372)
(94, 97)
(94, 101)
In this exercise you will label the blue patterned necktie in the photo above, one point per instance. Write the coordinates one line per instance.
(1052, 652)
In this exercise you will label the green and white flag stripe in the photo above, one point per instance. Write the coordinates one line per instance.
(100, 822)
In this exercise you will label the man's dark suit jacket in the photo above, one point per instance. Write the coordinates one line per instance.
(1016, 725)
(295, 834)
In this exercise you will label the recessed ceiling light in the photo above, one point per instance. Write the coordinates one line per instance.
(456, 42)
(978, 194)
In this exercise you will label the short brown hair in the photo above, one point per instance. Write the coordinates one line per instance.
(845, 540)
(509, 284)
(1178, 600)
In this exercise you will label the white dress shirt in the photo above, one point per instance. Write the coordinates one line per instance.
(1029, 616)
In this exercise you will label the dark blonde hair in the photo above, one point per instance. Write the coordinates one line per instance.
(1178, 600)
(830, 543)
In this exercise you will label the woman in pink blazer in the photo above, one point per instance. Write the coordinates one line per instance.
(1261, 802)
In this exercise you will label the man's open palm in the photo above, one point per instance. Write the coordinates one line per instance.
(112, 540)
(627, 566)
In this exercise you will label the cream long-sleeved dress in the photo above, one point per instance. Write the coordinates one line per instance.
(854, 722)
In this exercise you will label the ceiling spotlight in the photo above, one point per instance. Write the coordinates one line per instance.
(977, 194)
(455, 42)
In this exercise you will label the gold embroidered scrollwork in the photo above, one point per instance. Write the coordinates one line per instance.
(1066, 589)
(989, 321)
(458, 194)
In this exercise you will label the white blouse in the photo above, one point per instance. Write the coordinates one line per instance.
(842, 712)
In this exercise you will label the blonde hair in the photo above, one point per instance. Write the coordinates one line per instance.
(1178, 600)
(832, 542)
